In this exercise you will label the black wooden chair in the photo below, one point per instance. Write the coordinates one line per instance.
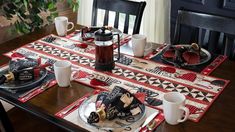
(119, 6)
(215, 33)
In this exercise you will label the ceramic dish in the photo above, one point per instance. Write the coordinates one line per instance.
(205, 56)
(116, 124)
(21, 85)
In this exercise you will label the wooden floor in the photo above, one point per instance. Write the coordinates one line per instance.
(25, 122)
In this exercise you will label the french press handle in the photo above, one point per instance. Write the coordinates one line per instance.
(118, 58)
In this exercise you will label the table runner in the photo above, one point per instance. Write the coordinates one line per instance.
(133, 74)
(155, 55)
(72, 115)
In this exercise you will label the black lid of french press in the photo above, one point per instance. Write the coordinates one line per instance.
(103, 35)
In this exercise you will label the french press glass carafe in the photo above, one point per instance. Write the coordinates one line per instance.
(104, 41)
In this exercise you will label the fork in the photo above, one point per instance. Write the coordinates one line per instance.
(43, 87)
(46, 85)
(26, 93)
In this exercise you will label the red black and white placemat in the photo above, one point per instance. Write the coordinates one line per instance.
(71, 114)
(206, 68)
(25, 95)
(133, 74)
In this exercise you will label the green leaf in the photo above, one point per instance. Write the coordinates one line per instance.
(17, 27)
(53, 9)
(51, 5)
(74, 8)
(53, 15)
(25, 4)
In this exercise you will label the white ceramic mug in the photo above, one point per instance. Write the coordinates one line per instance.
(61, 24)
(174, 108)
(63, 72)
(138, 45)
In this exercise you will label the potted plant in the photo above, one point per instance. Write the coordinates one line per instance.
(26, 15)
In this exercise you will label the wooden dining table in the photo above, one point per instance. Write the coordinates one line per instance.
(220, 116)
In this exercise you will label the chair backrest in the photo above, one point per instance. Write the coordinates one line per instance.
(211, 31)
(119, 6)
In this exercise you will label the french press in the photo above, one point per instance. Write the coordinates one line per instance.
(104, 41)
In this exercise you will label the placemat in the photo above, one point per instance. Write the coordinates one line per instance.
(73, 117)
(133, 74)
(207, 68)
(28, 94)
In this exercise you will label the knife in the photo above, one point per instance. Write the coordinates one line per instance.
(74, 106)
(149, 119)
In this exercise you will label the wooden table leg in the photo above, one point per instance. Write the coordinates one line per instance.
(5, 120)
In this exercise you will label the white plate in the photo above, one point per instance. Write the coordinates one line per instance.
(116, 124)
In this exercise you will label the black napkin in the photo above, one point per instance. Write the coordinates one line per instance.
(118, 103)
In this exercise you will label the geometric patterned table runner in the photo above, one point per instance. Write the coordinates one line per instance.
(133, 74)
(206, 69)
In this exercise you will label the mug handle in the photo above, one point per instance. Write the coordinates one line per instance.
(186, 110)
(150, 47)
(118, 47)
(71, 25)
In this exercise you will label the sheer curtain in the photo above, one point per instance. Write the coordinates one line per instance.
(155, 22)
(84, 12)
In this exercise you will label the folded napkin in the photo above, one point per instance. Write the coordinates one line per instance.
(119, 103)
(191, 57)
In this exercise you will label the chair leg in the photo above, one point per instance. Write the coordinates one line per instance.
(228, 46)
(5, 120)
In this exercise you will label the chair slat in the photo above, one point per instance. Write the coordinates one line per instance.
(116, 22)
(213, 41)
(106, 18)
(126, 25)
(229, 44)
(134, 8)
